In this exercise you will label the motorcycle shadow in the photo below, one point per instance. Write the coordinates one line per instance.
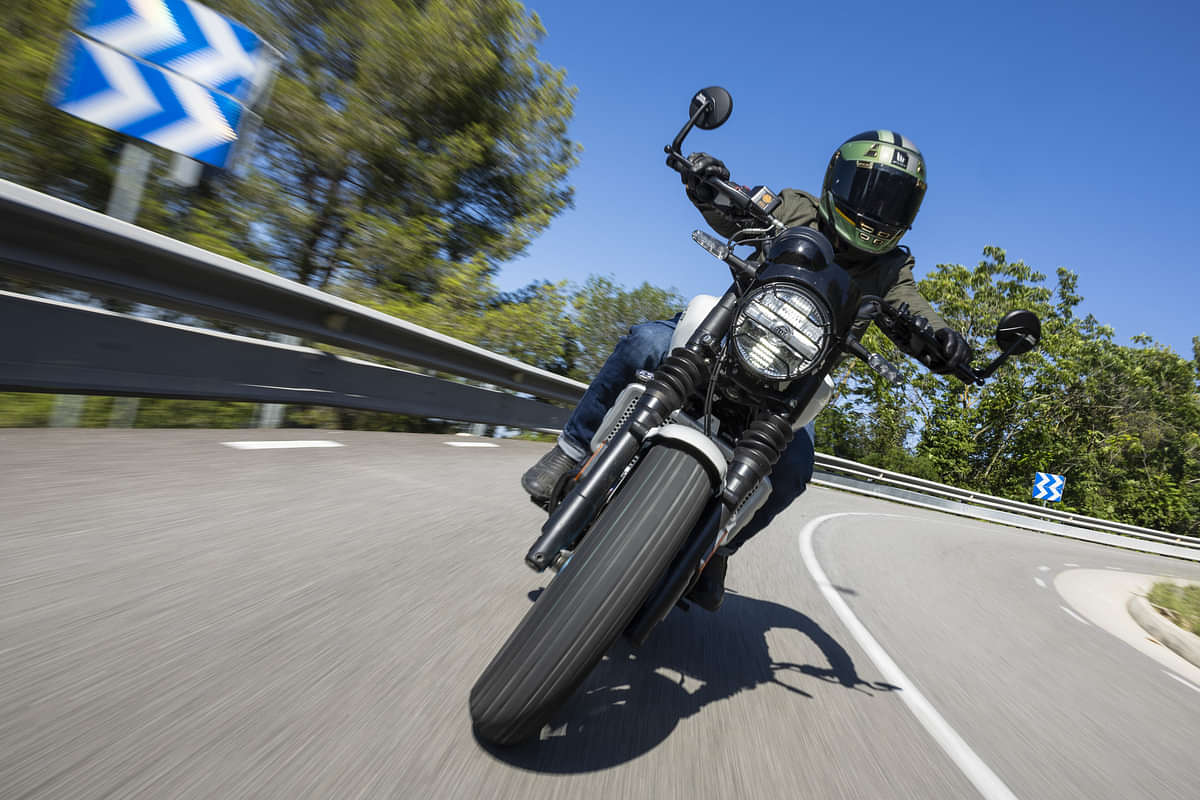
(634, 698)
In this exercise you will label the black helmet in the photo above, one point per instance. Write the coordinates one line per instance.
(873, 189)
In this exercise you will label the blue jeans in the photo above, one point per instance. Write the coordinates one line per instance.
(644, 348)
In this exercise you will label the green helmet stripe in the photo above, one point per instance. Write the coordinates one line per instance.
(882, 154)
(889, 152)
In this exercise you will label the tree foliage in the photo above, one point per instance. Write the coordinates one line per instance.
(404, 138)
(42, 147)
(1121, 422)
(401, 139)
(604, 311)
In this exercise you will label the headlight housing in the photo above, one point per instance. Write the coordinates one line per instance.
(781, 331)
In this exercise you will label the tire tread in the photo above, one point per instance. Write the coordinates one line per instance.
(587, 605)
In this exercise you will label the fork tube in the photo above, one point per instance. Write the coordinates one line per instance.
(677, 378)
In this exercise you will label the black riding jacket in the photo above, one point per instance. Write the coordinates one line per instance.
(887, 275)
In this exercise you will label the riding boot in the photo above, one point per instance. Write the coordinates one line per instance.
(543, 479)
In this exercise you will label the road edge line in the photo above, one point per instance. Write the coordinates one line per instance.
(969, 763)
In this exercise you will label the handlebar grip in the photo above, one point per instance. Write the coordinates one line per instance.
(734, 191)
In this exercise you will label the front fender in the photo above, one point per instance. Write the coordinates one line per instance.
(698, 445)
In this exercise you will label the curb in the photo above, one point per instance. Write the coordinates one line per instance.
(1182, 642)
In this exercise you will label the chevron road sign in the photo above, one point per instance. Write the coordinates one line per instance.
(1048, 487)
(109, 89)
(169, 72)
(184, 37)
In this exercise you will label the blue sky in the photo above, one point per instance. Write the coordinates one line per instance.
(1063, 133)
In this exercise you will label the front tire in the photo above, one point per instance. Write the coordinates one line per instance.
(584, 609)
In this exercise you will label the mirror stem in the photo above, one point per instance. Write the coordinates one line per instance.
(1000, 359)
(675, 145)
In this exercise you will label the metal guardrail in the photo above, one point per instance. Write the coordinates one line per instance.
(840, 473)
(71, 349)
(59, 347)
(49, 240)
(53, 242)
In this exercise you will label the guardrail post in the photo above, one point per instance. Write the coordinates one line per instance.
(124, 412)
(66, 411)
(270, 415)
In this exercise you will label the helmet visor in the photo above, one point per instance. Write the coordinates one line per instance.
(881, 194)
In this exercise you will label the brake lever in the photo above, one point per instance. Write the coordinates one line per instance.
(678, 162)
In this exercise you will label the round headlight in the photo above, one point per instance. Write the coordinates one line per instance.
(781, 331)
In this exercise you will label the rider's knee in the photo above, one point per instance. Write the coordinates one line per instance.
(645, 344)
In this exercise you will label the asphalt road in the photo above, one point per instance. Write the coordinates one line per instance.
(182, 619)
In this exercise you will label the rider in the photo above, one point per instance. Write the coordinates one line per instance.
(871, 193)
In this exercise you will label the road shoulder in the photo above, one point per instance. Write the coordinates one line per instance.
(1101, 596)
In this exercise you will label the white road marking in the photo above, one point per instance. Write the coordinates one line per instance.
(1118, 569)
(470, 444)
(1043, 568)
(1070, 564)
(1076, 616)
(972, 766)
(1186, 683)
(288, 388)
(1040, 582)
(282, 445)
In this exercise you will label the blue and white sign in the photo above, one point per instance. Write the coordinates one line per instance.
(103, 86)
(1048, 487)
(183, 37)
(171, 72)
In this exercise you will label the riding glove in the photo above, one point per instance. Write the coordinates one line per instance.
(955, 351)
(703, 165)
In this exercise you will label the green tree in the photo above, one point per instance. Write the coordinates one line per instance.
(401, 137)
(462, 301)
(967, 433)
(1120, 422)
(404, 137)
(604, 312)
(42, 147)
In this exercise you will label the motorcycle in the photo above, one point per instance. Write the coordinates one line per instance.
(683, 458)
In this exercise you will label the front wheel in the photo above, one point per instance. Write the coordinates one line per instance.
(584, 609)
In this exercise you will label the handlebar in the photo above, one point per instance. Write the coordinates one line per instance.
(915, 335)
(758, 205)
(911, 332)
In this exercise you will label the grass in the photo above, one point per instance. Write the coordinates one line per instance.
(1180, 603)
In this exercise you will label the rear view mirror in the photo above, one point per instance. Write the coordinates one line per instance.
(715, 116)
(1019, 332)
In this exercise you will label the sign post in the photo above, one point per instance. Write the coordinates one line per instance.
(173, 73)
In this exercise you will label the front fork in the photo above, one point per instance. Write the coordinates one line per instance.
(677, 378)
(681, 374)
